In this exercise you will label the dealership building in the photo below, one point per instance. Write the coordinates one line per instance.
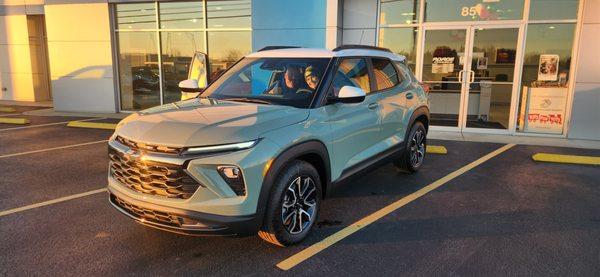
(514, 67)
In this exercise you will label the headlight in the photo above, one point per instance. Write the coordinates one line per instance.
(220, 148)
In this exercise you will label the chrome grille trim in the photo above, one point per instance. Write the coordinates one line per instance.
(150, 177)
(147, 147)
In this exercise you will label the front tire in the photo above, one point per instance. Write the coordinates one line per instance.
(293, 205)
(414, 153)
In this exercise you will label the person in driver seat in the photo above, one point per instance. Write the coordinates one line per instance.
(292, 81)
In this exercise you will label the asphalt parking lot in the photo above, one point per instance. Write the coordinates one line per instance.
(508, 215)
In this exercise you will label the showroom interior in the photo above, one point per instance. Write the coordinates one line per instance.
(516, 67)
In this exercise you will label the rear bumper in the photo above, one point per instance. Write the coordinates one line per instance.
(181, 221)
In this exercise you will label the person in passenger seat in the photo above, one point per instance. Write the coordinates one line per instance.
(312, 77)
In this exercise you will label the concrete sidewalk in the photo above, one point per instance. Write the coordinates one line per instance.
(517, 139)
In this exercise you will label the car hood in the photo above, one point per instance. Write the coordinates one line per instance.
(199, 122)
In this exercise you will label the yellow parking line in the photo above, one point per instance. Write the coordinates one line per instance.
(7, 109)
(568, 159)
(50, 202)
(14, 120)
(356, 226)
(92, 125)
(436, 149)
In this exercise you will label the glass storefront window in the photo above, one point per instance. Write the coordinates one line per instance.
(401, 41)
(226, 48)
(553, 9)
(181, 15)
(398, 12)
(229, 14)
(545, 78)
(179, 34)
(138, 70)
(177, 51)
(472, 10)
(136, 16)
(548, 39)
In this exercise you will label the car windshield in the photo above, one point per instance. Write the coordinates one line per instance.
(279, 81)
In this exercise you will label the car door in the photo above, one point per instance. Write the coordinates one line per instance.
(391, 85)
(355, 127)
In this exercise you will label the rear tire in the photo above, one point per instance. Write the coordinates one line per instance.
(414, 154)
(293, 206)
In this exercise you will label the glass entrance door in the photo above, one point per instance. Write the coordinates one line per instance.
(443, 72)
(470, 71)
(491, 73)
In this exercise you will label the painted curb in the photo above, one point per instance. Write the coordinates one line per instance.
(436, 149)
(566, 159)
(7, 109)
(92, 125)
(20, 121)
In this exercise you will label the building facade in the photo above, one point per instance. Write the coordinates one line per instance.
(521, 67)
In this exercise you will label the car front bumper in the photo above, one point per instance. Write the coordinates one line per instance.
(182, 221)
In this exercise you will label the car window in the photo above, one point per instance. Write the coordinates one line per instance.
(405, 74)
(384, 73)
(351, 72)
(282, 81)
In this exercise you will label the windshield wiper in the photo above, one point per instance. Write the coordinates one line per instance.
(248, 100)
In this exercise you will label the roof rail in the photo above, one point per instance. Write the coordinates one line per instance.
(356, 46)
(275, 47)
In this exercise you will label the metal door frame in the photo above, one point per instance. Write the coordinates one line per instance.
(470, 28)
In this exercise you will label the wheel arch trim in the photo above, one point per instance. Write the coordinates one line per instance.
(291, 153)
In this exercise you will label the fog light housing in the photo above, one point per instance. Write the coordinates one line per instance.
(233, 177)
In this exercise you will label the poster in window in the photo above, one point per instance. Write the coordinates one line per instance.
(504, 55)
(482, 63)
(440, 65)
(548, 67)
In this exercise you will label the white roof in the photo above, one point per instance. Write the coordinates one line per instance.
(324, 53)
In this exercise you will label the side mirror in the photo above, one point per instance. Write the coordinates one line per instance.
(350, 94)
(189, 89)
(190, 85)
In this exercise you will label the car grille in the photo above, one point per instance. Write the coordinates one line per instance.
(147, 214)
(147, 147)
(151, 177)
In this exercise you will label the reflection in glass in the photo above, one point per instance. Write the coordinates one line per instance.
(229, 14)
(138, 70)
(226, 48)
(401, 41)
(181, 15)
(472, 10)
(441, 67)
(136, 16)
(398, 12)
(553, 9)
(177, 51)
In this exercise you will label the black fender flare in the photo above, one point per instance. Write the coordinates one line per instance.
(422, 110)
(285, 157)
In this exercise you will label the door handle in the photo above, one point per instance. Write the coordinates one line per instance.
(373, 106)
(460, 75)
(471, 76)
(409, 95)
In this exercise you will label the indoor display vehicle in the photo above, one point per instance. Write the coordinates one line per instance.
(259, 148)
